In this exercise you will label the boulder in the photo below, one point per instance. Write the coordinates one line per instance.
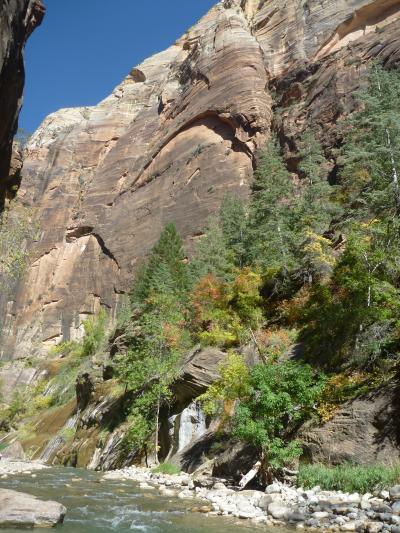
(278, 510)
(394, 492)
(235, 461)
(19, 510)
(14, 451)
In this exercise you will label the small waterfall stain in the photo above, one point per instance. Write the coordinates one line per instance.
(192, 425)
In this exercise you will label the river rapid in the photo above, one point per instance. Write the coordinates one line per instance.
(95, 505)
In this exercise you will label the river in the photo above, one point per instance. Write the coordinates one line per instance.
(95, 506)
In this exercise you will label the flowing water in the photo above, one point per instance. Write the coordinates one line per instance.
(95, 506)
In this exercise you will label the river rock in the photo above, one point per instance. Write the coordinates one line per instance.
(278, 510)
(396, 507)
(274, 488)
(26, 511)
(373, 527)
(394, 492)
(14, 452)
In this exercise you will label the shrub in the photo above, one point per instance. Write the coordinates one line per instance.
(281, 396)
(348, 478)
(232, 385)
(167, 468)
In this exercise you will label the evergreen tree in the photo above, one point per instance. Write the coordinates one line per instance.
(371, 153)
(212, 254)
(269, 234)
(159, 339)
(233, 221)
(314, 211)
(353, 318)
(165, 269)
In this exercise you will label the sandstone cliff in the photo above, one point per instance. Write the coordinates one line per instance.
(18, 19)
(179, 131)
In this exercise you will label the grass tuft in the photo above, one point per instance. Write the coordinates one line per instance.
(348, 477)
(167, 468)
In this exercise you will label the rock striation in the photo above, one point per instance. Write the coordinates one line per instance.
(18, 18)
(181, 130)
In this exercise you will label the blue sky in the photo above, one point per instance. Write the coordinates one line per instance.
(84, 48)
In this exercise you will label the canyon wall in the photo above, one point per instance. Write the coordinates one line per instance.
(18, 18)
(181, 130)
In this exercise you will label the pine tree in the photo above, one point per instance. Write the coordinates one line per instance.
(371, 153)
(160, 339)
(314, 210)
(212, 254)
(165, 270)
(232, 216)
(269, 234)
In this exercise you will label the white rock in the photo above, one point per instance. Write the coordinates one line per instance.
(185, 494)
(349, 526)
(320, 515)
(278, 509)
(273, 488)
(145, 485)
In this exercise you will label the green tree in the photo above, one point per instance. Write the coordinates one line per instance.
(371, 153)
(269, 233)
(232, 216)
(159, 337)
(353, 318)
(313, 212)
(165, 269)
(212, 254)
(280, 397)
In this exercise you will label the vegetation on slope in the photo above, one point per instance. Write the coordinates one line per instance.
(304, 264)
(308, 263)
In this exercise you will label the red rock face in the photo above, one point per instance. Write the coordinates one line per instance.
(179, 132)
(18, 18)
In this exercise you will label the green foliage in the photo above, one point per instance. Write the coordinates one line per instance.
(223, 313)
(160, 339)
(17, 229)
(167, 468)
(269, 235)
(285, 226)
(95, 334)
(231, 386)
(165, 271)
(212, 254)
(233, 222)
(356, 312)
(281, 397)
(93, 339)
(371, 153)
(10, 414)
(348, 477)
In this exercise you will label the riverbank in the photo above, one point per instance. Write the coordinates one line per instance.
(279, 505)
(11, 467)
(97, 505)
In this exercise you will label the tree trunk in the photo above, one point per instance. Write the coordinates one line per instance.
(251, 474)
(156, 431)
(395, 179)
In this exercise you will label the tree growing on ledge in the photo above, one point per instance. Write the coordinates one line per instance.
(152, 360)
